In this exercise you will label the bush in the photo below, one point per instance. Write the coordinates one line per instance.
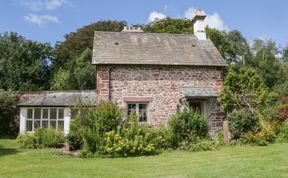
(132, 139)
(187, 126)
(88, 129)
(8, 113)
(42, 138)
(254, 139)
(74, 137)
(117, 145)
(199, 145)
(282, 135)
(242, 121)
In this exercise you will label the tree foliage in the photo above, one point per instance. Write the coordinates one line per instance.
(273, 71)
(72, 68)
(169, 25)
(76, 42)
(24, 64)
(78, 75)
(232, 45)
(242, 89)
(8, 113)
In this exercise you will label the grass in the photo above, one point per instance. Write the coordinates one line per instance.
(248, 161)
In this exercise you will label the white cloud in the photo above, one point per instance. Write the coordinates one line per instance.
(156, 15)
(41, 20)
(212, 20)
(54, 4)
(40, 5)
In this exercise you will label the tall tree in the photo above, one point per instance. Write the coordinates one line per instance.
(76, 42)
(169, 25)
(266, 63)
(24, 64)
(79, 75)
(75, 53)
(243, 89)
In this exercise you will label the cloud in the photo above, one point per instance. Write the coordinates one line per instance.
(156, 15)
(41, 20)
(211, 20)
(40, 5)
(54, 4)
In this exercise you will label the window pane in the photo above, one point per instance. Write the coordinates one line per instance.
(60, 113)
(53, 113)
(29, 113)
(60, 125)
(44, 124)
(29, 125)
(45, 113)
(131, 109)
(142, 112)
(52, 124)
(36, 124)
(37, 113)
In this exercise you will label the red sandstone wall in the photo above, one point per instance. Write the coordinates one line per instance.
(159, 86)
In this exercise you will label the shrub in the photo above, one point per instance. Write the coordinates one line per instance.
(74, 137)
(282, 135)
(242, 121)
(107, 116)
(254, 139)
(219, 138)
(8, 113)
(132, 139)
(199, 145)
(187, 125)
(117, 145)
(42, 138)
(88, 128)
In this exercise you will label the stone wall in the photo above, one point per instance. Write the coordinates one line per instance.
(159, 87)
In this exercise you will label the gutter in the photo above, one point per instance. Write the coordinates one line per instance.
(110, 86)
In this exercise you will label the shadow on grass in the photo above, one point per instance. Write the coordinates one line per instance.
(4, 151)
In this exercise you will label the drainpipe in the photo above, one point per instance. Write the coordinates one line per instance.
(110, 86)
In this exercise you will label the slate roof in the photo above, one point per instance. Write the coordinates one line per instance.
(62, 98)
(154, 49)
(198, 92)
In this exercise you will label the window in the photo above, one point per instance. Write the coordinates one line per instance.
(196, 105)
(44, 118)
(140, 109)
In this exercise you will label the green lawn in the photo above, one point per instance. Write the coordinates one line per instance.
(270, 161)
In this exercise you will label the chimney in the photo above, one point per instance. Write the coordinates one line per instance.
(132, 29)
(198, 23)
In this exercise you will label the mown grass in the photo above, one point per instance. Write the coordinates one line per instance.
(248, 161)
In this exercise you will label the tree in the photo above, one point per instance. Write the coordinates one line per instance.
(169, 25)
(232, 45)
(24, 64)
(8, 113)
(76, 42)
(80, 74)
(264, 60)
(242, 89)
(285, 55)
(72, 68)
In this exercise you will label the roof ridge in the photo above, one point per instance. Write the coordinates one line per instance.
(141, 33)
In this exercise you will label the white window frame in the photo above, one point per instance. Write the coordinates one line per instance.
(137, 110)
(44, 119)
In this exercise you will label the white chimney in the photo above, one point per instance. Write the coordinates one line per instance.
(198, 23)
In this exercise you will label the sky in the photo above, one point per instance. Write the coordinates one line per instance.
(50, 20)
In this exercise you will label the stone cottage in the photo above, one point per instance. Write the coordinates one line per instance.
(153, 74)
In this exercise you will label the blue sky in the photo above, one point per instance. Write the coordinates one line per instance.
(50, 20)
